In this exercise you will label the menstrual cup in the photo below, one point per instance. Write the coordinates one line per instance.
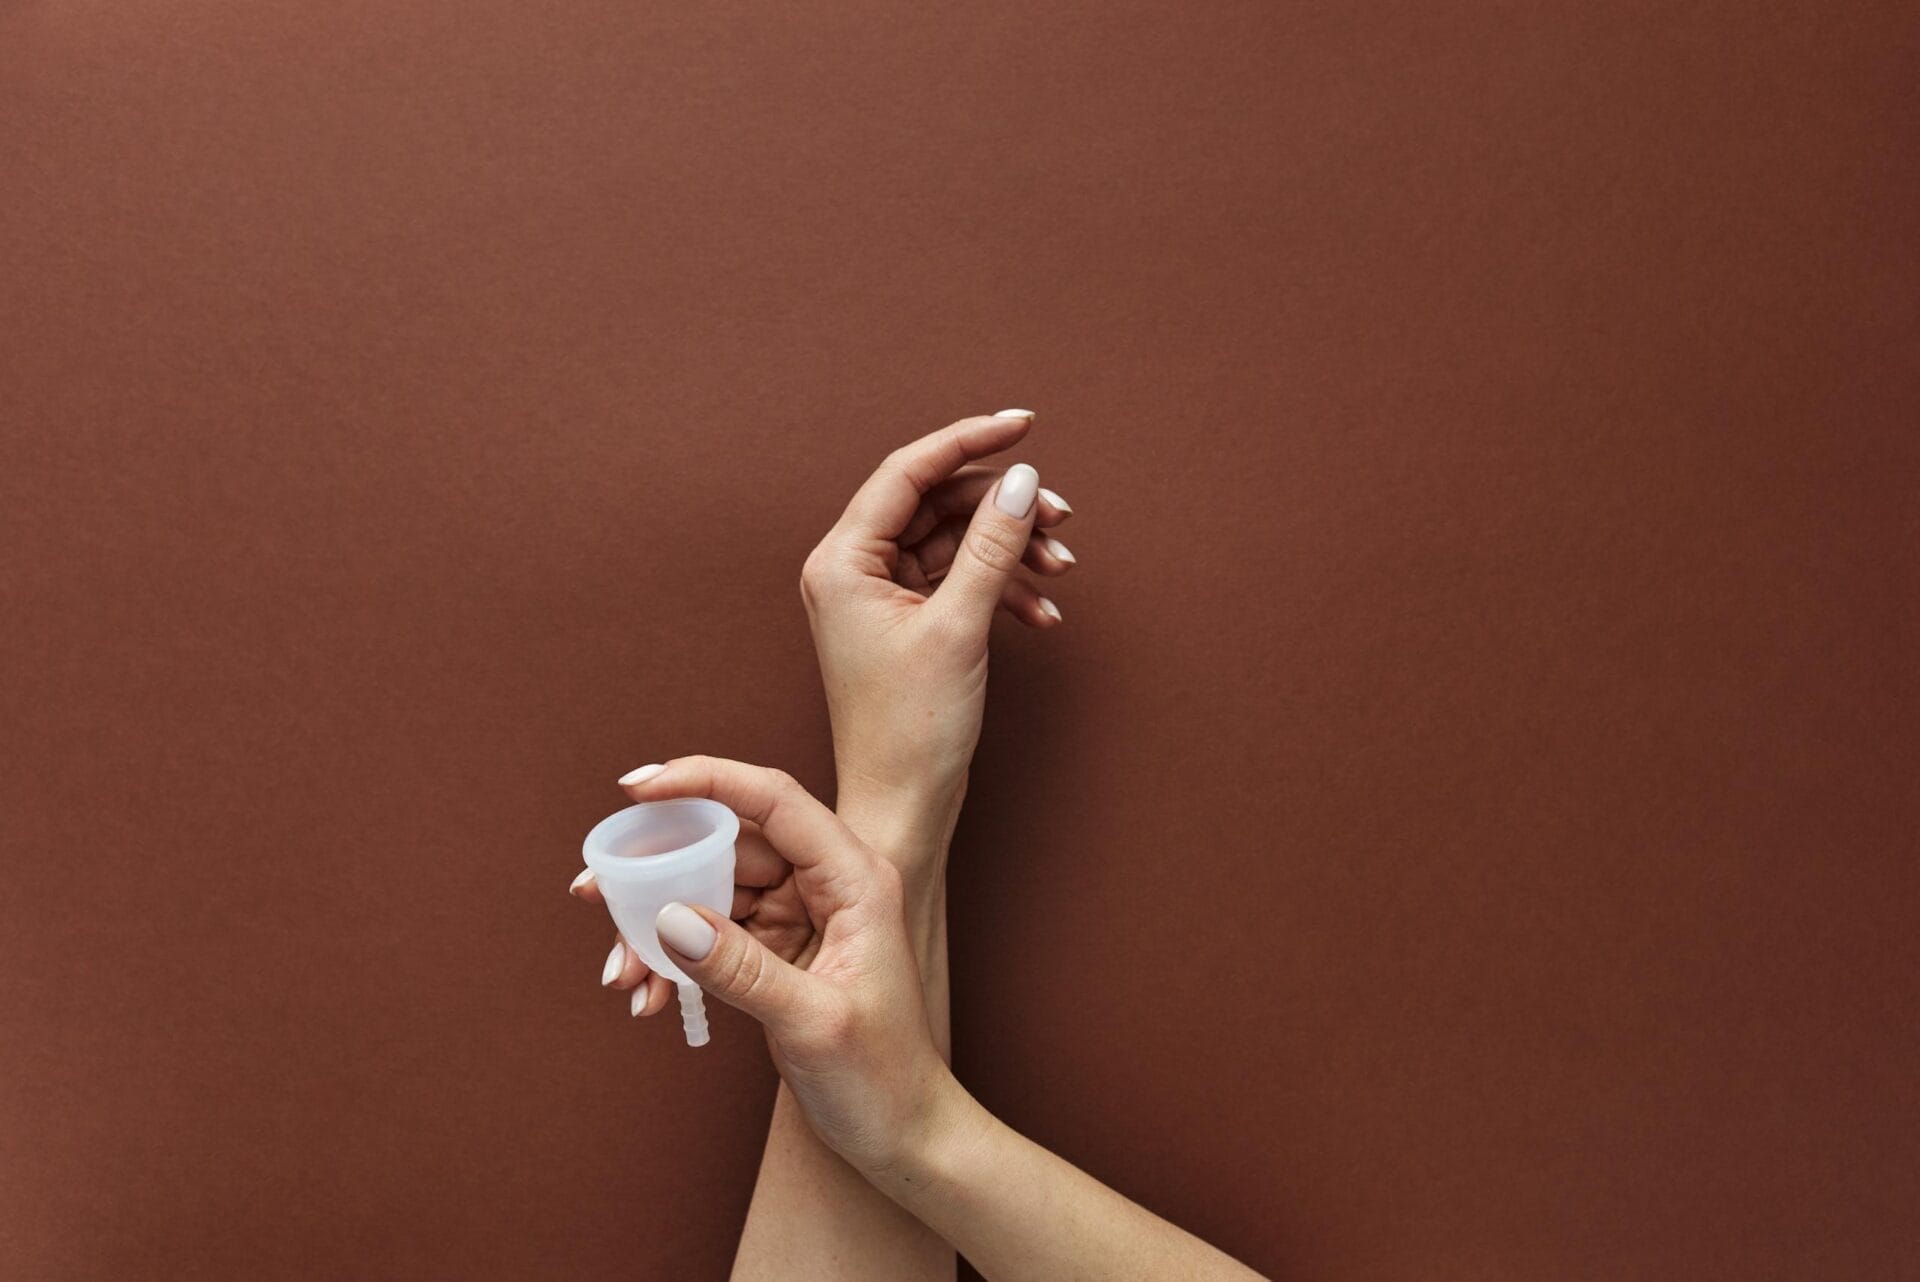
(657, 853)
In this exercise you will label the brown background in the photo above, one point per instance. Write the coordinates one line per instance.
(1465, 828)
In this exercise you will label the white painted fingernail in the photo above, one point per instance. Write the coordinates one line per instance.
(1057, 550)
(616, 962)
(640, 995)
(1054, 501)
(584, 879)
(1049, 609)
(1017, 489)
(640, 775)
(685, 931)
(1026, 414)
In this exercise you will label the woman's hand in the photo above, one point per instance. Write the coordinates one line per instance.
(766, 903)
(900, 595)
(847, 1026)
(849, 1035)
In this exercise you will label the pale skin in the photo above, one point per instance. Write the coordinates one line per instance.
(878, 1163)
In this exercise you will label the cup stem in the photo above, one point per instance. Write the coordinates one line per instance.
(693, 1014)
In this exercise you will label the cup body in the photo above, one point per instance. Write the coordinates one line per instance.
(653, 854)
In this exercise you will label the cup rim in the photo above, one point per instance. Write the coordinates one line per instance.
(607, 866)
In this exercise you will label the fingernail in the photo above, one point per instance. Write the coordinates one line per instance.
(1049, 609)
(685, 931)
(616, 962)
(639, 1002)
(584, 879)
(640, 775)
(1026, 414)
(1054, 501)
(1057, 550)
(1017, 489)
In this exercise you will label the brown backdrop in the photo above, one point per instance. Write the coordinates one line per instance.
(1465, 828)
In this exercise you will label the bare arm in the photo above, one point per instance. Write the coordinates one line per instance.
(1019, 1212)
(812, 1214)
(966, 1181)
(851, 1037)
(905, 685)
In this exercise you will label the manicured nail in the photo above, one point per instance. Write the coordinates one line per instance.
(1017, 489)
(685, 931)
(1049, 609)
(1054, 501)
(640, 775)
(640, 996)
(616, 962)
(1057, 550)
(1026, 414)
(579, 883)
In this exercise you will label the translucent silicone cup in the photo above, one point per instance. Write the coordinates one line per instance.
(654, 854)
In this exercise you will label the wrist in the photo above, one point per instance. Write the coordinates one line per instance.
(914, 842)
(939, 1147)
(908, 825)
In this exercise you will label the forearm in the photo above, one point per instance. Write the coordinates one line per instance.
(912, 832)
(812, 1214)
(1018, 1212)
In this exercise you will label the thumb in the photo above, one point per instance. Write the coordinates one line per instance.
(991, 551)
(734, 966)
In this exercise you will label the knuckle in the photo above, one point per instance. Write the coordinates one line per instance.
(912, 463)
(836, 1027)
(696, 774)
(782, 789)
(995, 546)
(897, 465)
(814, 573)
(743, 972)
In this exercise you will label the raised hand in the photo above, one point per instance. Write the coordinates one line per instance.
(901, 594)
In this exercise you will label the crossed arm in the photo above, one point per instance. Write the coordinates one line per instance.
(878, 1163)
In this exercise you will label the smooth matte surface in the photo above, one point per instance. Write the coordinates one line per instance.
(1465, 828)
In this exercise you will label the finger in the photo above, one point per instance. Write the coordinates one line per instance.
(804, 833)
(745, 899)
(992, 547)
(787, 939)
(649, 998)
(960, 493)
(1048, 555)
(882, 507)
(737, 968)
(585, 887)
(933, 556)
(909, 575)
(1024, 602)
(623, 968)
(755, 862)
(780, 920)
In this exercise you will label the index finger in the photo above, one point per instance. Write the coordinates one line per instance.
(882, 507)
(827, 856)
